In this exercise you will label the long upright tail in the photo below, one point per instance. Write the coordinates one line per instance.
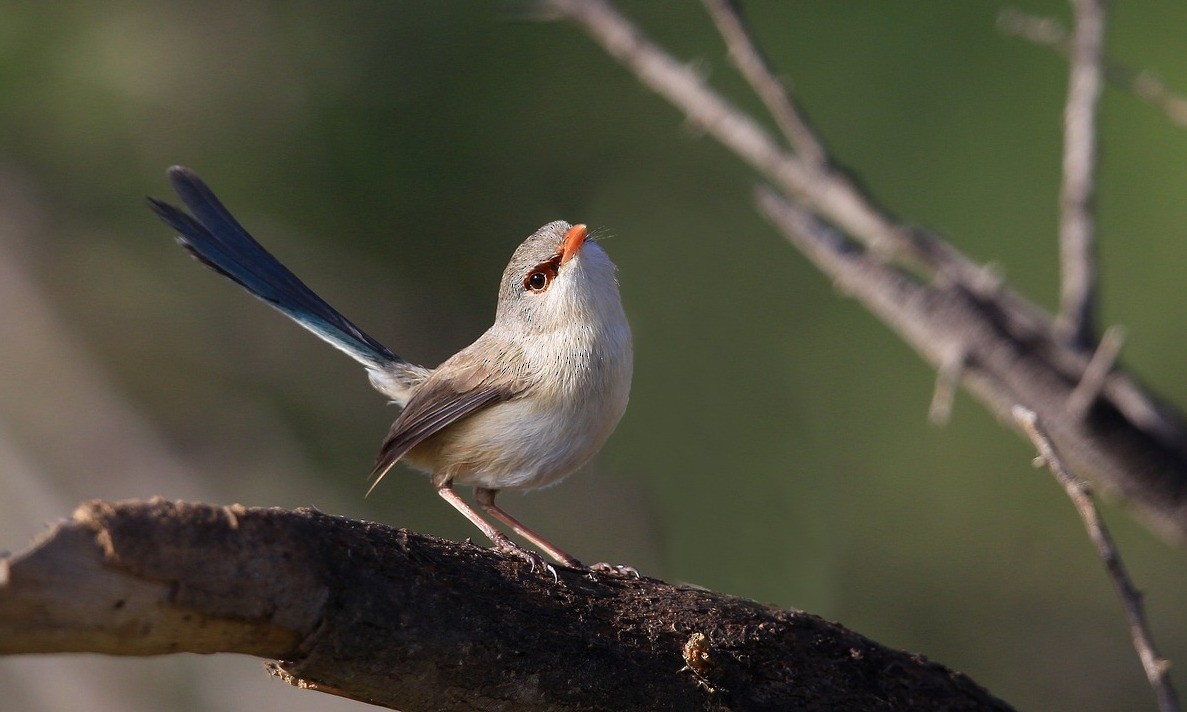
(215, 238)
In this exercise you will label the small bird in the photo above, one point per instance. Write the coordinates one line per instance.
(526, 404)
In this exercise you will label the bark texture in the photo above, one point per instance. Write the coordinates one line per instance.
(412, 622)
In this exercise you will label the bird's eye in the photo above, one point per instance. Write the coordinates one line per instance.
(542, 275)
(537, 281)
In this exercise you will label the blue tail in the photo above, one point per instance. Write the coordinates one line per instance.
(215, 238)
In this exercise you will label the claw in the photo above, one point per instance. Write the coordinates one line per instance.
(534, 560)
(615, 570)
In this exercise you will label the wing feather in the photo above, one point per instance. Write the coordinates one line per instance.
(460, 387)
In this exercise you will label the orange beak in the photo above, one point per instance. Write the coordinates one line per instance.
(572, 243)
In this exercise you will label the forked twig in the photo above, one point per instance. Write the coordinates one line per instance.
(749, 60)
(1157, 668)
(830, 192)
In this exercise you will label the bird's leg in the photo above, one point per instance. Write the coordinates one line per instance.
(498, 538)
(486, 500)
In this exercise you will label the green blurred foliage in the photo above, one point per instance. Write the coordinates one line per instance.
(776, 446)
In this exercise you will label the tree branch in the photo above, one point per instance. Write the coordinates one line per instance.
(750, 62)
(1157, 669)
(411, 622)
(1011, 351)
(1142, 84)
(1077, 240)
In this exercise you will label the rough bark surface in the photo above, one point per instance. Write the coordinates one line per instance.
(412, 622)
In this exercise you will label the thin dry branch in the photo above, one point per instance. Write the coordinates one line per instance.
(749, 60)
(1145, 86)
(1127, 441)
(410, 622)
(1157, 669)
(1077, 226)
(1103, 361)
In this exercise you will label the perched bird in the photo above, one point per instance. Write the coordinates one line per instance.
(525, 405)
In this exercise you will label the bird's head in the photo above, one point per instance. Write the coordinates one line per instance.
(558, 279)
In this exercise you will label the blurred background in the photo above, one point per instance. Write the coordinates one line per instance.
(393, 154)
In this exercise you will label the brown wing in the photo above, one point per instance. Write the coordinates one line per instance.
(459, 387)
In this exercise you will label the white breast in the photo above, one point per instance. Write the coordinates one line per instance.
(556, 427)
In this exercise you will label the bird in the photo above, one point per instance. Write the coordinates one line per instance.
(526, 404)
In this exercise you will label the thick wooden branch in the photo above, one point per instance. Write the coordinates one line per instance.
(416, 623)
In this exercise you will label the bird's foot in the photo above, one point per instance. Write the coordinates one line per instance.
(614, 570)
(534, 560)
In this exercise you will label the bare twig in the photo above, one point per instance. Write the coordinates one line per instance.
(1157, 669)
(411, 622)
(1045, 31)
(1077, 227)
(947, 381)
(754, 67)
(1049, 32)
(1088, 389)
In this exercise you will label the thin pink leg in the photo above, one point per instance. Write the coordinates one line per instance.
(498, 538)
(486, 500)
